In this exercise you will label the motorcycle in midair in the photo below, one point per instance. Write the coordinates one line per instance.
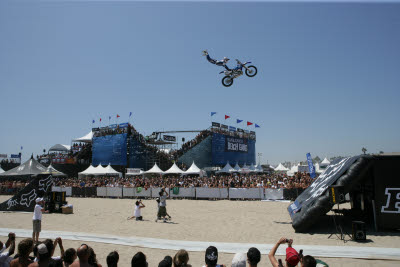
(230, 75)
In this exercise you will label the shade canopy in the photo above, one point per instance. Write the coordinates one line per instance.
(174, 170)
(1, 170)
(227, 169)
(53, 171)
(30, 167)
(237, 167)
(155, 170)
(259, 168)
(110, 171)
(86, 139)
(60, 147)
(325, 162)
(280, 167)
(193, 170)
(252, 168)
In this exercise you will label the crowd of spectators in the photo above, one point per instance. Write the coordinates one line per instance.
(300, 180)
(103, 131)
(42, 253)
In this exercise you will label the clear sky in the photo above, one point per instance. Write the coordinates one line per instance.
(328, 80)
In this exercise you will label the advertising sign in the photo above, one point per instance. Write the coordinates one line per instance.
(169, 138)
(215, 124)
(233, 144)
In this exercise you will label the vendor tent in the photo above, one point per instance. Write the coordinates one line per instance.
(325, 162)
(293, 170)
(318, 169)
(155, 170)
(227, 169)
(86, 139)
(1, 170)
(60, 148)
(252, 168)
(194, 170)
(237, 167)
(110, 171)
(51, 170)
(174, 170)
(29, 168)
(259, 168)
(244, 169)
(281, 168)
(89, 171)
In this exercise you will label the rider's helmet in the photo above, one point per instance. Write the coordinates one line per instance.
(225, 60)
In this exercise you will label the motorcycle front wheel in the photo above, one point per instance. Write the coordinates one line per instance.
(227, 81)
(251, 71)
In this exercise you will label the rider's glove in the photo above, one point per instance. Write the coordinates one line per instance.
(205, 53)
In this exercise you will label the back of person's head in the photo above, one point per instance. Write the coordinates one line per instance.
(181, 258)
(166, 262)
(308, 261)
(25, 247)
(239, 260)
(92, 257)
(137, 203)
(43, 253)
(253, 256)
(49, 244)
(211, 256)
(112, 259)
(83, 252)
(139, 260)
(55, 263)
(70, 255)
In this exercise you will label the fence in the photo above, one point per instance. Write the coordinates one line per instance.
(193, 192)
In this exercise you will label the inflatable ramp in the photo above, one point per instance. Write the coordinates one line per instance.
(375, 177)
(25, 199)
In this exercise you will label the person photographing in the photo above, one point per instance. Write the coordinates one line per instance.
(137, 213)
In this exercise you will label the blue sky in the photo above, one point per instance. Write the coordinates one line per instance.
(328, 80)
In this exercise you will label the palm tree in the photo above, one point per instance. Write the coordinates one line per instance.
(364, 150)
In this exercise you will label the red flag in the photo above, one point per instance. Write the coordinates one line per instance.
(100, 119)
(118, 116)
(249, 123)
(227, 117)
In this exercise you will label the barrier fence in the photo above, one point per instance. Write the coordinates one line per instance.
(180, 192)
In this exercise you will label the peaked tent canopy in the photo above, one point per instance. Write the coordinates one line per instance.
(174, 170)
(325, 162)
(281, 168)
(252, 168)
(86, 139)
(30, 167)
(194, 170)
(237, 167)
(90, 171)
(110, 171)
(227, 169)
(259, 168)
(60, 147)
(318, 169)
(155, 170)
(53, 171)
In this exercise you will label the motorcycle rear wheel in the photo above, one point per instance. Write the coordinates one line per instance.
(227, 81)
(251, 71)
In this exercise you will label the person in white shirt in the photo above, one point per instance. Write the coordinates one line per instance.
(137, 213)
(5, 258)
(37, 219)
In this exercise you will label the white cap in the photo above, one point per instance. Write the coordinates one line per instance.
(42, 249)
(39, 199)
(239, 260)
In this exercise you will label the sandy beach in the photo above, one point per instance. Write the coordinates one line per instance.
(192, 220)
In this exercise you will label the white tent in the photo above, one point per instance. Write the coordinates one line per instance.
(325, 162)
(293, 170)
(155, 170)
(53, 171)
(86, 139)
(60, 147)
(110, 171)
(174, 170)
(281, 168)
(1, 170)
(259, 168)
(245, 169)
(252, 168)
(237, 167)
(227, 169)
(194, 170)
(318, 169)
(89, 171)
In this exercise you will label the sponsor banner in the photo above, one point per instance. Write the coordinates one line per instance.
(3, 156)
(216, 124)
(310, 166)
(232, 129)
(240, 130)
(112, 126)
(15, 156)
(132, 171)
(233, 144)
(123, 125)
(223, 126)
(111, 149)
(169, 138)
(95, 129)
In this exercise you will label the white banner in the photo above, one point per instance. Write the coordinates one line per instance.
(114, 191)
(67, 190)
(245, 193)
(273, 194)
(203, 192)
(101, 191)
(223, 193)
(128, 192)
(184, 192)
(143, 193)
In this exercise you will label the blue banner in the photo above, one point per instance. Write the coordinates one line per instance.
(15, 156)
(232, 129)
(310, 165)
(233, 149)
(110, 149)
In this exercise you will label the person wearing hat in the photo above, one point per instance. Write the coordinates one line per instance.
(37, 219)
(239, 260)
(292, 256)
(211, 257)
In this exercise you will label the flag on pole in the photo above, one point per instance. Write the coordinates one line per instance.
(118, 116)
(109, 117)
(93, 121)
(256, 125)
(227, 117)
(249, 123)
(238, 121)
(213, 113)
(22, 147)
(130, 114)
(100, 119)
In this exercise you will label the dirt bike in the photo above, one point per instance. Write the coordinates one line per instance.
(250, 71)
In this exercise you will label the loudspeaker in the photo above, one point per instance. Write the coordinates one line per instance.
(358, 231)
(336, 194)
(54, 201)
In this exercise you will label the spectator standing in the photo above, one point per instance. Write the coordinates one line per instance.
(43, 256)
(211, 257)
(181, 259)
(139, 260)
(162, 209)
(112, 259)
(253, 257)
(37, 219)
(69, 257)
(292, 256)
(83, 253)
(5, 258)
(239, 260)
(25, 247)
(166, 262)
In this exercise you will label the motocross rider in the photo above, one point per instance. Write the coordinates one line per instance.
(217, 62)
